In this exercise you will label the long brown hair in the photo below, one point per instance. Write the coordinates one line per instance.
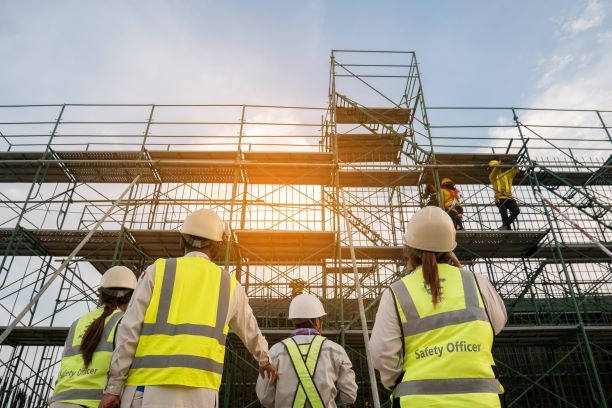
(110, 299)
(429, 262)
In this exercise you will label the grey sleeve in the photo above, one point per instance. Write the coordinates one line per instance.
(346, 384)
(494, 304)
(266, 391)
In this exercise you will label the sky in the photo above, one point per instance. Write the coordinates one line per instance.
(546, 53)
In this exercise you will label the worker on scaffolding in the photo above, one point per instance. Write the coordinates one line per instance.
(434, 328)
(452, 203)
(502, 180)
(429, 195)
(89, 345)
(171, 344)
(313, 371)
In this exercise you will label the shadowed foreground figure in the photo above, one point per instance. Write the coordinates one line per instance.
(312, 371)
(434, 328)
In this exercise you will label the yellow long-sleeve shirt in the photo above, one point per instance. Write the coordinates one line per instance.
(502, 182)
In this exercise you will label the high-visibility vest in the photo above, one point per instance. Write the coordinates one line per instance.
(447, 348)
(451, 197)
(77, 384)
(502, 182)
(182, 341)
(304, 359)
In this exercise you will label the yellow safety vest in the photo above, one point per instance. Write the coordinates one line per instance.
(304, 358)
(451, 198)
(447, 348)
(502, 182)
(182, 341)
(77, 384)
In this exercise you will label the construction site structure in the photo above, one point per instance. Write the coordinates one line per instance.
(314, 196)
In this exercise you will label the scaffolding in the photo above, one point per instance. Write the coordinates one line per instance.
(315, 196)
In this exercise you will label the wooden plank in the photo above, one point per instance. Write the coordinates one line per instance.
(26, 172)
(391, 116)
(378, 178)
(356, 148)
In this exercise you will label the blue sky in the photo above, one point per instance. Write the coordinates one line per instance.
(521, 53)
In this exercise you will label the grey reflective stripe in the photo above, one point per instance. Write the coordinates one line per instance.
(104, 344)
(416, 324)
(76, 394)
(161, 325)
(448, 386)
(183, 361)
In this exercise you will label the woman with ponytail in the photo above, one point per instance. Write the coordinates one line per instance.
(434, 329)
(90, 344)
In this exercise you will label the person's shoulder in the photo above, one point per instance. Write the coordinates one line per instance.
(333, 346)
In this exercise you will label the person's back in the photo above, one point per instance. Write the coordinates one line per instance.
(448, 345)
(333, 376)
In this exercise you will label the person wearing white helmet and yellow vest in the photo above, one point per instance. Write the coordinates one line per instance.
(434, 328)
(171, 343)
(501, 181)
(90, 343)
(312, 371)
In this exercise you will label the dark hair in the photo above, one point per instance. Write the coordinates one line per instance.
(111, 299)
(306, 324)
(429, 262)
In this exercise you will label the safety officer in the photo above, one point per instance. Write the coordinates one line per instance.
(171, 344)
(90, 342)
(312, 371)
(452, 202)
(501, 181)
(434, 328)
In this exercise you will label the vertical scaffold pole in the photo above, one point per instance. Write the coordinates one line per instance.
(64, 264)
(364, 323)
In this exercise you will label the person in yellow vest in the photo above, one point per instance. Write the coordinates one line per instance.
(312, 371)
(434, 328)
(171, 343)
(452, 203)
(90, 343)
(501, 180)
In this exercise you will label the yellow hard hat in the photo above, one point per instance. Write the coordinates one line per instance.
(446, 180)
(431, 229)
(118, 277)
(494, 163)
(205, 224)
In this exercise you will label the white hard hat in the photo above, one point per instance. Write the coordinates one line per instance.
(203, 223)
(118, 277)
(431, 229)
(306, 306)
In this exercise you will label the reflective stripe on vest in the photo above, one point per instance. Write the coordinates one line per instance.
(77, 384)
(305, 365)
(182, 341)
(441, 362)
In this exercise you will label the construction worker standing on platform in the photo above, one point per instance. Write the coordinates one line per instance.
(501, 180)
(171, 343)
(312, 371)
(452, 203)
(434, 328)
(90, 343)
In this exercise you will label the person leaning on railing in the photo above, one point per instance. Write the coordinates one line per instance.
(434, 328)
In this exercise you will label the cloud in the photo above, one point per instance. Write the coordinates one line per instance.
(592, 16)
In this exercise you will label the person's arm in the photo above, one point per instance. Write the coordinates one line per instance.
(494, 304)
(242, 321)
(128, 333)
(345, 383)
(265, 388)
(386, 341)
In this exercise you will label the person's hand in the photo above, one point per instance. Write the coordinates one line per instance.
(110, 401)
(455, 260)
(270, 370)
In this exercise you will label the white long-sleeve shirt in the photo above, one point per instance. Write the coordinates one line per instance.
(386, 340)
(240, 319)
(334, 376)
